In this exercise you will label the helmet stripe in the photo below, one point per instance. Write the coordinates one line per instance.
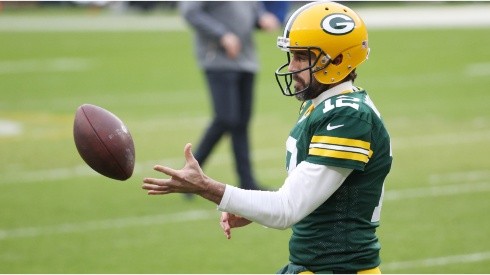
(293, 17)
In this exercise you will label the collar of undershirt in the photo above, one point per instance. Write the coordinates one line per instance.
(342, 88)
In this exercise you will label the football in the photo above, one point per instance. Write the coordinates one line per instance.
(104, 142)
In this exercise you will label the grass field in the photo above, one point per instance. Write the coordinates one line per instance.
(57, 216)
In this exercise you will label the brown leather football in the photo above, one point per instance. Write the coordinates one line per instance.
(104, 142)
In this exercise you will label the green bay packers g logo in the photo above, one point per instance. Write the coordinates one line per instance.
(338, 24)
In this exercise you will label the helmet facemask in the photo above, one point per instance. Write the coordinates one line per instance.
(317, 61)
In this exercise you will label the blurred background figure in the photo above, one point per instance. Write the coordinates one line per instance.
(279, 8)
(225, 50)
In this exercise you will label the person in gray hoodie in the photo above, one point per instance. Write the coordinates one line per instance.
(225, 50)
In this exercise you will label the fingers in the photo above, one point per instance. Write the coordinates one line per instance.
(166, 170)
(188, 148)
(189, 157)
(166, 186)
(188, 153)
(153, 181)
(155, 186)
(225, 225)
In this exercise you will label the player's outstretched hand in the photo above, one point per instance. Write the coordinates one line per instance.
(190, 179)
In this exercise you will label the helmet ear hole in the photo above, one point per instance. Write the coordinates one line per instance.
(337, 60)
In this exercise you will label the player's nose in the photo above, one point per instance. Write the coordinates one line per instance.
(292, 66)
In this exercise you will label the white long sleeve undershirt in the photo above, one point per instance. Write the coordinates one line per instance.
(304, 190)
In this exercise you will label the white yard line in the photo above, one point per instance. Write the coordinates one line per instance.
(10, 128)
(437, 191)
(442, 139)
(83, 227)
(440, 261)
(80, 23)
(59, 64)
(427, 16)
(478, 69)
(459, 176)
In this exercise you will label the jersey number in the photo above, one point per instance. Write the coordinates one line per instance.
(341, 101)
(348, 101)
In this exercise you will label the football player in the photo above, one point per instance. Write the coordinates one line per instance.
(338, 152)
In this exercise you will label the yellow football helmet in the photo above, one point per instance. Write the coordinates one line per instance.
(327, 30)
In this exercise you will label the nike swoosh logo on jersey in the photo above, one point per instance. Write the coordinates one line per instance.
(330, 127)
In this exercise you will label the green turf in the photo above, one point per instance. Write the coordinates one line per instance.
(59, 217)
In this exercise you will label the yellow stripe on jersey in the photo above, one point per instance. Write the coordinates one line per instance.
(338, 154)
(343, 148)
(341, 141)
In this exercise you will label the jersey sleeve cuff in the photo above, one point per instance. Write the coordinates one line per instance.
(226, 198)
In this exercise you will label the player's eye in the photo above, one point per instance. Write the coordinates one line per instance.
(301, 57)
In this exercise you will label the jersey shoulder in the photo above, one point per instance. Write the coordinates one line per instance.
(341, 130)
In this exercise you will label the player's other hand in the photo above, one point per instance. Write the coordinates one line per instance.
(229, 221)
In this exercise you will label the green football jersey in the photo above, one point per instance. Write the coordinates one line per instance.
(345, 130)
